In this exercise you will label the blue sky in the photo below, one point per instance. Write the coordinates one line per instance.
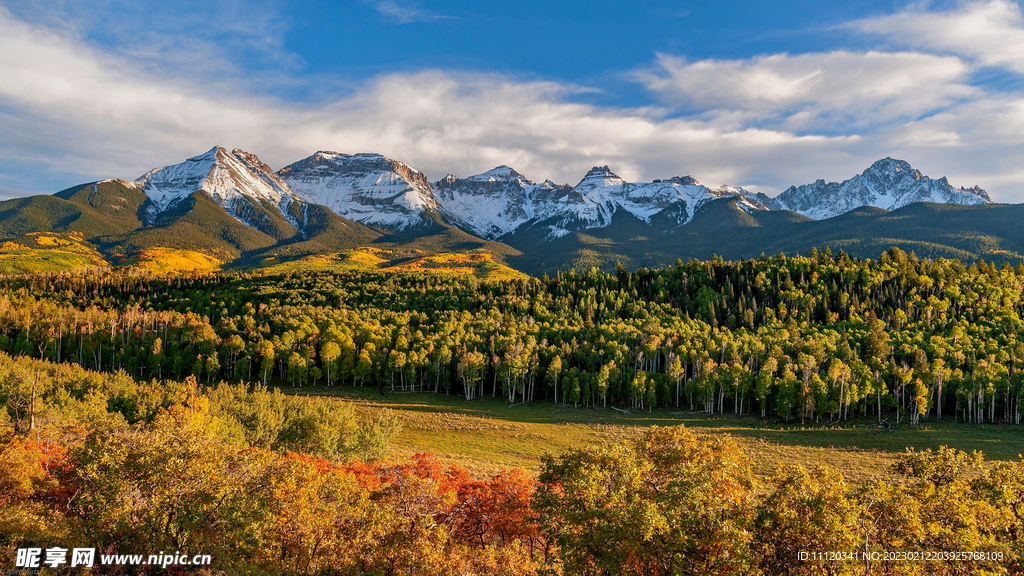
(758, 94)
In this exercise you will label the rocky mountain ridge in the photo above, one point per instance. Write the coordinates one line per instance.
(391, 196)
(388, 194)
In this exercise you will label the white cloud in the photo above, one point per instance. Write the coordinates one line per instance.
(468, 123)
(67, 107)
(197, 39)
(95, 114)
(50, 81)
(828, 89)
(979, 142)
(990, 33)
(407, 13)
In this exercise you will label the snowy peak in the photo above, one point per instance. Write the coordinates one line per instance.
(167, 185)
(490, 204)
(599, 177)
(888, 174)
(892, 166)
(496, 174)
(888, 183)
(368, 188)
(228, 177)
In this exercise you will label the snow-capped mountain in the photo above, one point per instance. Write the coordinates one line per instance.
(367, 188)
(595, 200)
(232, 179)
(391, 195)
(888, 184)
(232, 205)
(501, 201)
(496, 202)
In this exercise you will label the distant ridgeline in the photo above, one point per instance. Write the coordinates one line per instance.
(821, 338)
(227, 209)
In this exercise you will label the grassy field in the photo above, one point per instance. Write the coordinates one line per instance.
(486, 435)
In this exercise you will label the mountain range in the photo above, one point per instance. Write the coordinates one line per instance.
(231, 205)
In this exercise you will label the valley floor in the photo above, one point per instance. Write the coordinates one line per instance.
(485, 435)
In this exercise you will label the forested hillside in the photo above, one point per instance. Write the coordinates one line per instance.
(144, 412)
(723, 228)
(820, 338)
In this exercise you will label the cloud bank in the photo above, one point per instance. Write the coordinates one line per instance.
(71, 111)
(989, 33)
(818, 90)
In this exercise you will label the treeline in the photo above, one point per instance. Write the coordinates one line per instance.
(59, 398)
(210, 470)
(822, 338)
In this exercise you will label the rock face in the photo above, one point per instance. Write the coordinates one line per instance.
(888, 184)
(367, 188)
(233, 179)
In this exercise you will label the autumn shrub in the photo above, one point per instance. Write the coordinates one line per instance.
(670, 502)
(31, 493)
(805, 511)
(674, 502)
(269, 484)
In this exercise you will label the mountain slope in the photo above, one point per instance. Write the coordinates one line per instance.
(226, 204)
(116, 202)
(228, 208)
(195, 222)
(636, 243)
(106, 207)
(722, 227)
(967, 232)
